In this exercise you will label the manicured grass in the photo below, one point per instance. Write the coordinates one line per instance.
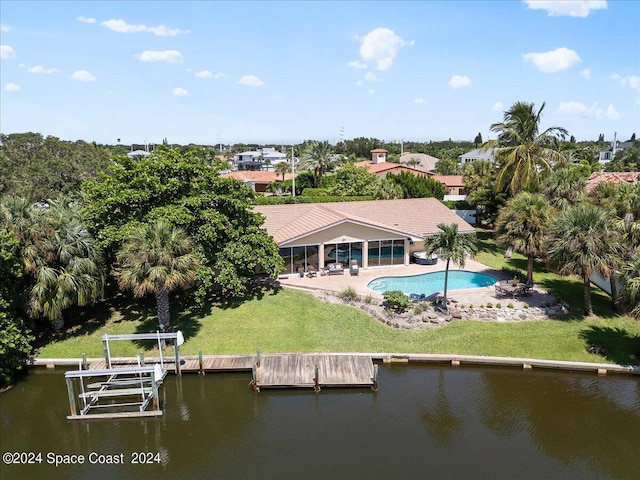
(288, 321)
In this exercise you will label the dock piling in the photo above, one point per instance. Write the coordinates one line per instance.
(316, 379)
(200, 364)
(258, 358)
(374, 387)
(85, 365)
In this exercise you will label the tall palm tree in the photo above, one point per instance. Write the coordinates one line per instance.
(581, 243)
(69, 268)
(157, 258)
(450, 245)
(521, 150)
(563, 187)
(630, 294)
(522, 225)
(282, 168)
(318, 157)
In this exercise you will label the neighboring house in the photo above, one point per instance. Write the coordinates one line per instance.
(262, 159)
(597, 178)
(374, 233)
(257, 180)
(454, 187)
(477, 154)
(424, 162)
(138, 153)
(608, 154)
(379, 165)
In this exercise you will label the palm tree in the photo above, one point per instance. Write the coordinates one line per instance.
(521, 150)
(630, 294)
(318, 156)
(451, 246)
(282, 168)
(563, 187)
(581, 243)
(157, 258)
(522, 225)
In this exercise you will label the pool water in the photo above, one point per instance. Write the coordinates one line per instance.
(430, 283)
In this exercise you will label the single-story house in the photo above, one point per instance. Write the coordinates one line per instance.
(257, 180)
(424, 162)
(454, 187)
(379, 165)
(597, 178)
(374, 233)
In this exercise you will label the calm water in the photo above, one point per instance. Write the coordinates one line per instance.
(424, 422)
(430, 283)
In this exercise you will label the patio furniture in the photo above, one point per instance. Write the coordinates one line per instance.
(353, 268)
(335, 269)
(417, 297)
(311, 272)
(509, 289)
(421, 258)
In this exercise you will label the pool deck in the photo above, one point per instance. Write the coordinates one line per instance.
(477, 296)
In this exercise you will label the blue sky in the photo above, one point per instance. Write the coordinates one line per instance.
(283, 72)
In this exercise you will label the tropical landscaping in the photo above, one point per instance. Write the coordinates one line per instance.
(164, 242)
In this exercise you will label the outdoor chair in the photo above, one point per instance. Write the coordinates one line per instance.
(335, 269)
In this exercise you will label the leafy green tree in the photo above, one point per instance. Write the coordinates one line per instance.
(521, 150)
(480, 181)
(182, 190)
(417, 186)
(447, 166)
(523, 224)
(451, 246)
(388, 190)
(39, 168)
(627, 160)
(319, 158)
(581, 242)
(478, 140)
(354, 181)
(157, 258)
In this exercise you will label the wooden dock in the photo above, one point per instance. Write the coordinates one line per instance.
(188, 364)
(315, 371)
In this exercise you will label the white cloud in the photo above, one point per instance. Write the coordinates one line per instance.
(357, 64)
(571, 8)
(39, 69)
(498, 106)
(208, 74)
(586, 74)
(632, 81)
(595, 111)
(381, 46)
(86, 20)
(180, 92)
(4, 28)
(169, 56)
(371, 91)
(371, 77)
(553, 61)
(458, 81)
(12, 87)
(82, 76)
(359, 83)
(250, 81)
(7, 52)
(121, 26)
(418, 100)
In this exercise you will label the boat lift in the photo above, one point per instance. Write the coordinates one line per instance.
(157, 336)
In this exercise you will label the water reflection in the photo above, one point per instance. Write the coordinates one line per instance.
(424, 422)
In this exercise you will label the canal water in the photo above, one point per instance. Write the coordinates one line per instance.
(424, 422)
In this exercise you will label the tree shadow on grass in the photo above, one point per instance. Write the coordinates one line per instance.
(619, 346)
(257, 288)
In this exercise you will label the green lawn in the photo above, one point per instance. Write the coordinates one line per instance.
(287, 321)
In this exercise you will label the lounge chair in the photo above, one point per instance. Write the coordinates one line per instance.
(335, 269)
(417, 297)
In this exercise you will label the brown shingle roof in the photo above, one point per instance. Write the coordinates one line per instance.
(415, 217)
(597, 178)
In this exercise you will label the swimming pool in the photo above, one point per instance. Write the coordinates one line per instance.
(430, 283)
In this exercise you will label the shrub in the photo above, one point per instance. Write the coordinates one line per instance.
(368, 299)
(396, 300)
(498, 305)
(471, 305)
(15, 348)
(510, 305)
(489, 305)
(349, 294)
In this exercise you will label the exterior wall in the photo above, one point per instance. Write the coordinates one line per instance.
(604, 283)
(379, 157)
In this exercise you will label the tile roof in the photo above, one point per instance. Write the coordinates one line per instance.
(450, 180)
(386, 166)
(415, 217)
(257, 176)
(427, 162)
(597, 178)
(378, 150)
